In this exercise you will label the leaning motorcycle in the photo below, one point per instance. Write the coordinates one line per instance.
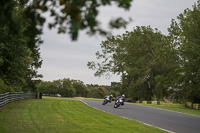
(105, 101)
(118, 102)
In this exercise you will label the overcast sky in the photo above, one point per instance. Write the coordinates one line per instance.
(63, 58)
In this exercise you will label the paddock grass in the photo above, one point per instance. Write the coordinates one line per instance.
(163, 105)
(61, 115)
(174, 107)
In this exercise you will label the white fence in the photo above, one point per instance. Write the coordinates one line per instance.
(8, 97)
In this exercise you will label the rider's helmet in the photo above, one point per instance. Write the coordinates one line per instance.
(123, 95)
(111, 95)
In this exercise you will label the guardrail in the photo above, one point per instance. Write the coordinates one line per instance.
(149, 102)
(193, 105)
(8, 97)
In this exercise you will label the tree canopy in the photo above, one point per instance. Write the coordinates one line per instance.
(19, 49)
(186, 37)
(69, 16)
(153, 65)
(21, 25)
(142, 57)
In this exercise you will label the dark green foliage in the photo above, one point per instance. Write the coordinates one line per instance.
(68, 90)
(186, 36)
(21, 25)
(3, 87)
(72, 88)
(81, 89)
(63, 87)
(155, 66)
(77, 15)
(19, 52)
(142, 57)
(116, 86)
(100, 91)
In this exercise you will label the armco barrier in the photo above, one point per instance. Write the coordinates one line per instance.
(155, 102)
(196, 106)
(189, 104)
(149, 102)
(8, 97)
(145, 102)
(193, 105)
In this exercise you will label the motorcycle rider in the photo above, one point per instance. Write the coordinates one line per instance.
(122, 97)
(109, 98)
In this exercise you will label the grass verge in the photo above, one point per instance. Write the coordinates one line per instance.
(174, 107)
(62, 115)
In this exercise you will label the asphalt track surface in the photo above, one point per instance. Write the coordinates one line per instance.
(168, 120)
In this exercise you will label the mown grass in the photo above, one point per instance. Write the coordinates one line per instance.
(163, 105)
(175, 107)
(59, 115)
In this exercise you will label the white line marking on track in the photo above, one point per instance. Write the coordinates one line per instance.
(129, 118)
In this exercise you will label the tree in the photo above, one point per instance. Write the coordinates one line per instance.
(48, 87)
(186, 32)
(141, 56)
(98, 92)
(18, 65)
(43, 87)
(116, 86)
(81, 89)
(21, 25)
(70, 16)
(19, 52)
(3, 87)
(68, 90)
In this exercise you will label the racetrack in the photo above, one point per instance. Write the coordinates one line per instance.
(165, 119)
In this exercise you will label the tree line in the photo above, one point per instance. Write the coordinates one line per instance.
(153, 65)
(76, 88)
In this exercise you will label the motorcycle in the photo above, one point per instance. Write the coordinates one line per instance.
(105, 101)
(118, 102)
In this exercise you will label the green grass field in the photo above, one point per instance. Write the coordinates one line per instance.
(175, 107)
(59, 115)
